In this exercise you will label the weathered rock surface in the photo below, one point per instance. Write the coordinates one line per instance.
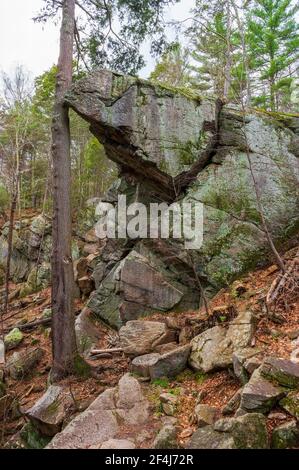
(104, 418)
(137, 285)
(21, 364)
(240, 364)
(118, 444)
(140, 337)
(141, 364)
(87, 333)
(167, 437)
(169, 143)
(213, 349)
(171, 363)
(259, 394)
(50, 411)
(205, 415)
(290, 403)
(285, 436)
(245, 432)
(282, 371)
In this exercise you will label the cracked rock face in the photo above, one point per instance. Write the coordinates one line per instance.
(171, 146)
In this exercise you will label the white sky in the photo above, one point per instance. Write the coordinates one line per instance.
(36, 46)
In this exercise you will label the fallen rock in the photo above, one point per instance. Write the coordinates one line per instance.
(140, 365)
(140, 337)
(233, 404)
(239, 359)
(213, 349)
(245, 432)
(205, 414)
(166, 437)
(104, 418)
(171, 363)
(259, 394)
(169, 403)
(282, 371)
(291, 404)
(207, 438)
(51, 410)
(285, 436)
(13, 339)
(87, 333)
(22, 363)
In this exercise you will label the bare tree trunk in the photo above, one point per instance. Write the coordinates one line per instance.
(228, 65)
(63, 329)
(244, 53)
(13, 207)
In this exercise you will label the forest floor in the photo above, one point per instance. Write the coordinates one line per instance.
(216, 388)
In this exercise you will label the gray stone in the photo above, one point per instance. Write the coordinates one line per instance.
(213, 349)
(205, 415)
(246, 432)
(233, 404)
(139, 337)
(154, 134)
(104, 418)
(87, 333)
(166, 437)
(169, 403)
(207, 438)
(285, 436)
(51, 410)
(171, 363)
(259, 394)
(140, 365)
(282, 371)
(21, 364)
(291, 404)
(239, 359)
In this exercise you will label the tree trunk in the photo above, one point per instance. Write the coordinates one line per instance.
(63, 328)
(228, 64)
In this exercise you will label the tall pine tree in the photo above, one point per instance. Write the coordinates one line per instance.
(274, 44)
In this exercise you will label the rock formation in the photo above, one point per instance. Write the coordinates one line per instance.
(171, 145)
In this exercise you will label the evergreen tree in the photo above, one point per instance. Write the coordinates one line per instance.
(173, 68)
(274, 44)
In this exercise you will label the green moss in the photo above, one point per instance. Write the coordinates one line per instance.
(291, 404)
(32, 438)
(200, 377)
(13, 338)
(162, 88)
(161, 382)
(281, 120)
(81, 368)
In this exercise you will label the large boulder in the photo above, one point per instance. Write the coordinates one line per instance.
(139, 337)
(50, 411)
(122, 406)
(282, 371)
(245, 432)
(213, 349)
(259, 394)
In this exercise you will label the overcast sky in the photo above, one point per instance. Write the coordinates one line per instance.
(36, 46)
